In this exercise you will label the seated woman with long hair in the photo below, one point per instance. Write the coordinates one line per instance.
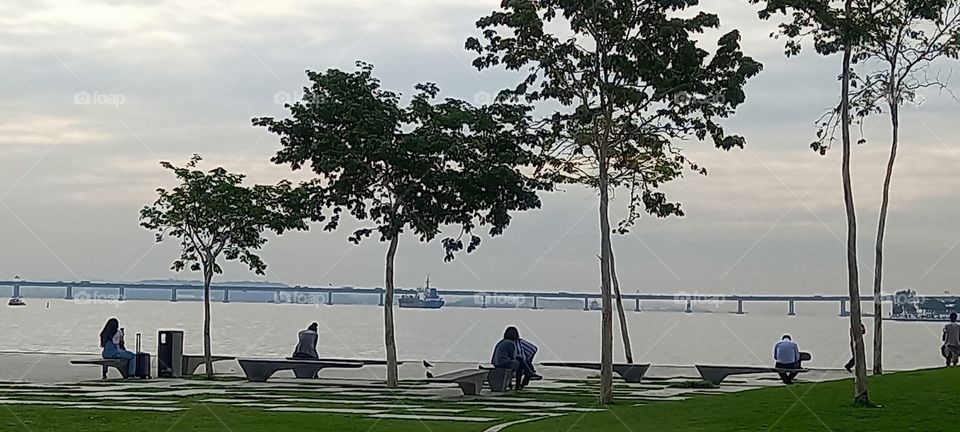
(111, 340)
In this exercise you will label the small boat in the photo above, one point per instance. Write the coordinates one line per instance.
(16, 302)
(425, 298)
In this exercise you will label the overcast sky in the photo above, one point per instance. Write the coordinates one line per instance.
(94, 94)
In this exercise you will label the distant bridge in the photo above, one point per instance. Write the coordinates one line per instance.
(482, 297)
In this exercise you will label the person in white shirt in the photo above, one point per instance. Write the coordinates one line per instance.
(787, 355)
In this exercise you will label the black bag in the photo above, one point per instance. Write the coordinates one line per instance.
(143, 362)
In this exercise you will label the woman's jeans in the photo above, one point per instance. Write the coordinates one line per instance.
(112, 352)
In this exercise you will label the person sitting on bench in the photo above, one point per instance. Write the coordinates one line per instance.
(528, 351)
(506, 355)
(787, 355)
(307, 344)
(111, 340)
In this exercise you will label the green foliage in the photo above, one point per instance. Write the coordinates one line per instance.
(630, 78)
(212, 214)
(418, 167)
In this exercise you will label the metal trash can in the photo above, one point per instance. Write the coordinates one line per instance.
(169, 353)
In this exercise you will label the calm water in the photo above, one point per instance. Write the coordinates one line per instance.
(465, 334)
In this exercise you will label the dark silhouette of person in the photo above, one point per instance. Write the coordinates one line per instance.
(951, 341)
(506, 355)
(307, 344)
(853, 355)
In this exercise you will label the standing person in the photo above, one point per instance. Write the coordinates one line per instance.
(307, 343)
(111, 340)
(951, 340)
(527, 352)
(787, 355)
(506, 355)
(853, 357)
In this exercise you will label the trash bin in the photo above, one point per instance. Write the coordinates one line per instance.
(169, 353)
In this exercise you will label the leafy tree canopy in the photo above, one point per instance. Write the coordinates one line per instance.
(631, 80)
(213, 214)
(424, 165)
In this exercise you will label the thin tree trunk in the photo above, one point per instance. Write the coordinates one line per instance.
(390, 341)
(881, 231)
(207, 278)
(606, 328)
(853, 277)
(624, 333)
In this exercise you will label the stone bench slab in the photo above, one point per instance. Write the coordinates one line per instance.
(631, 373)
(260, 370)
(716, 374)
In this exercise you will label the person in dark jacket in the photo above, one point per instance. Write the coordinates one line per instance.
(853, 355)
(506, 355)
(307, 344)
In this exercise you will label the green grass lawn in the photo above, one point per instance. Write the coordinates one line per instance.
(922, 401)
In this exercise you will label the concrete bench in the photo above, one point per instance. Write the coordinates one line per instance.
(716, 374)
(364, 362)
(469, 380)
(499, 379)
(192, 362)
(260, 370)
(631, 373)
(121, 365)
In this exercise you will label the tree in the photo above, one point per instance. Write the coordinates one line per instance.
(419, 167)
(835, 27)
(621, 314)
(904, 39)
(214, 216)
(629, 78)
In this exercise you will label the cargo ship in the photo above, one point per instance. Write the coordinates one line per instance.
(425, 298)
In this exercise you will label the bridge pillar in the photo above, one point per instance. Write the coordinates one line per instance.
(536, 303)
(122, 294)
(792, 311)
(226, 296)
(483, 301)
(330, 298)
(69, 295)
(843, 308)
(173, 294)
(16, 291)
(586, 304)
(739, 307)
(636, 305)
(689, 306)
(381, 299)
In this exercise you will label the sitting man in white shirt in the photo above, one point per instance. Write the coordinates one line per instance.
(787, 355)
